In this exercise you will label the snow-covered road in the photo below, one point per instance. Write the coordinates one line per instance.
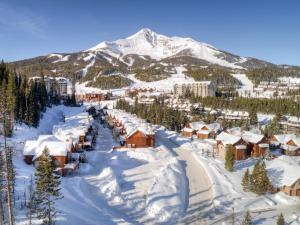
(200, 192)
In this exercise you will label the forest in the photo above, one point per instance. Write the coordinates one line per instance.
(219, 76)
(270, 74)
(157, 113)
(110, 82)
(262, 105)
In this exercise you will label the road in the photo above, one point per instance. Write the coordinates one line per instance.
(200, 192)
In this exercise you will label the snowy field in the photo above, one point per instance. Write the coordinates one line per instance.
(126, 186)
(166, 84)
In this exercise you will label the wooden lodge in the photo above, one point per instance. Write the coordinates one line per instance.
(284, 174)
(138, 139)
(257, 144)
(130, 130)
(225, 140)
(202, 130)
(91, 97)
(289, 143)
(293, 189)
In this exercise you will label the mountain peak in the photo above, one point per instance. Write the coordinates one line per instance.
(157, 46)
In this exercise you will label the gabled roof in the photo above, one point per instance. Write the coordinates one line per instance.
(228, 139)
(197, 125)
(285, 138)
(252, 137)
(56, 146)
(284, 170)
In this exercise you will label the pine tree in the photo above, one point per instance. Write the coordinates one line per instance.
(260, 182)
(247, 219)
(47, 189)
(246, 181)
(280, 220)
(229, 158)
(11, 171)
(253, 117)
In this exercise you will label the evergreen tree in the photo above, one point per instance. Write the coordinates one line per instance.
(260, 182)
(47, 189)
(11, 171)
(246, 181)
(253, 117)
(247, 219)
(280, 220)
(229, 158)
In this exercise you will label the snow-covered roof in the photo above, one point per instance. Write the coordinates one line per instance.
(187, 129)
(197, 125)
(284, 138)
(214, 127)
(227, 139)
(56, 146)
(203, 132)
(131, 122)
(30, 146)
(252, 137)
(73, 127)
(284, 170)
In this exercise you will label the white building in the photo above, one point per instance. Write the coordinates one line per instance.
(199, 89)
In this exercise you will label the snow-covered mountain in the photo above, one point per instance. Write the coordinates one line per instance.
(157, 46)
(146, 55)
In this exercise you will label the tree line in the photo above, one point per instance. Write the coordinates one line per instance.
(221, 77)
(262, 105)
(24, 99)
(270, 73)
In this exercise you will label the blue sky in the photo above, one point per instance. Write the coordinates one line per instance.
(265, 29)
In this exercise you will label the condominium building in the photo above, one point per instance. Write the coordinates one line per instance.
(198, 89)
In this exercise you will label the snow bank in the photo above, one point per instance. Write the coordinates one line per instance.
(167, 194)
(109, 186)
(149, 154)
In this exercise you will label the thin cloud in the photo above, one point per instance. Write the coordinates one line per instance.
(15, 19)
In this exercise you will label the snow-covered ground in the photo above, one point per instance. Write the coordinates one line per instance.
(177, 182)
(125, 186)
(228, 192)
(247, 86)
(81, 88)
(166, 84)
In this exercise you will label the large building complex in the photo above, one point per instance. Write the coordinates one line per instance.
(198, 89)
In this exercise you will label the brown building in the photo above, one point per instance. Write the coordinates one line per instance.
(225, 140)
(289, 143)
(91, 97)
(293, 189)
(187, 132)
(139, 139)
(132, 131)
(284, 175)
(257, 144)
